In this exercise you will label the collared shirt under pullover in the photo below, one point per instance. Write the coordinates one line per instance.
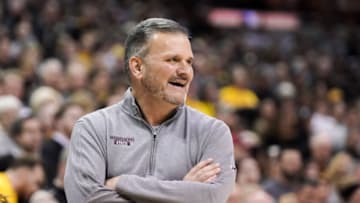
(151, 161)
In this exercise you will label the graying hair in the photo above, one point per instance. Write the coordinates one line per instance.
(135, 44)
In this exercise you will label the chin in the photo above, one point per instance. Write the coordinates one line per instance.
(175, 99)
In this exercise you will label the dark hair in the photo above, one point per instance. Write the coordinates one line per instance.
(17, 127)
(348, 191)
(25, 161)
(138, 37)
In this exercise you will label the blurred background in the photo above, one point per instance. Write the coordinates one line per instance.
(283, 74)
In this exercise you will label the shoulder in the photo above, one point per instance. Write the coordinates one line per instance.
(200, 119)
(101, 115)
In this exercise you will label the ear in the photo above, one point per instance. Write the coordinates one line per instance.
(135, 66)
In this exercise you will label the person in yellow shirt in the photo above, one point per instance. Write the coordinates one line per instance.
(238, 95)
(20, 180)
(206, 98)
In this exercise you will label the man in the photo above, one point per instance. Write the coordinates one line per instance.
(21, 179)
(10, 107)
(26, 139)
(290, 168)
(150, 147)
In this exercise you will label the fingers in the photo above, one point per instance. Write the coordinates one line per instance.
(111, 183)
(207, 172)
(211, 179)
(204, 171)
(200, 165)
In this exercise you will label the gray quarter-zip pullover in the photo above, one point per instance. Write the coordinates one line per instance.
(151, 162)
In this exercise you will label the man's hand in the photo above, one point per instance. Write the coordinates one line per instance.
(111, 183)
(204, 172)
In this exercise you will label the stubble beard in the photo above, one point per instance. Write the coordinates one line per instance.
(159, 92)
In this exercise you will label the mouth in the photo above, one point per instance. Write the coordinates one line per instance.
(178, 84)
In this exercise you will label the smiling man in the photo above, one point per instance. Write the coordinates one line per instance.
(150, 147)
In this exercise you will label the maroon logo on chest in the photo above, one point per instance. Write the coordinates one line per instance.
(122, 140)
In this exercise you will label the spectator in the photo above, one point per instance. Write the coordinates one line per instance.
(51, 73)
(248, 172)
(25, 139)
(321, 150)
(77, 76)
(9, 111)
(290, 168)
(239, 95)
(45, 102)
(21, 179)
(64, 122)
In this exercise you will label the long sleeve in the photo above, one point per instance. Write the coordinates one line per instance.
(86, 167)
(219, 146)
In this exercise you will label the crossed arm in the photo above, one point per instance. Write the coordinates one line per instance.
(208, 181)
(204, 172)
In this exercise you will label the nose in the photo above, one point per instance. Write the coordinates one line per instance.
(184, 69)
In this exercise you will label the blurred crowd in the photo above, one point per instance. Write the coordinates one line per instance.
(290, 98)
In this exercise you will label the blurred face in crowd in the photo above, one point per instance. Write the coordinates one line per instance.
(71, 115)
(321, 149)
(30, 137)
(268, 109)
(77, 76)
(14, 85)
(248, 171)
(8, 117)
(31, 180)
(291, 164)
(52, 74)
(165, 73)
(46, 114)
(307, 194)
(240, 77)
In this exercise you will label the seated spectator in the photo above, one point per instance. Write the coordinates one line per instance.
(45, 102)
(26, 139)
(248, 171)
(238, 95)
(9, 111)
(321, 150)
(290, 168)
(65, 119)
(27, 134)
(306, 193)
(21, 180)
(51, 73)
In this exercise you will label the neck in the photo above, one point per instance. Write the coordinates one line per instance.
(154, 111)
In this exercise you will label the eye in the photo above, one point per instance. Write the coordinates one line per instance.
(190, 61)
(173, 59)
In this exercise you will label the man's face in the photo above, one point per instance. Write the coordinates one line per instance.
(291, 164)
(31, 135)
(167, 67)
